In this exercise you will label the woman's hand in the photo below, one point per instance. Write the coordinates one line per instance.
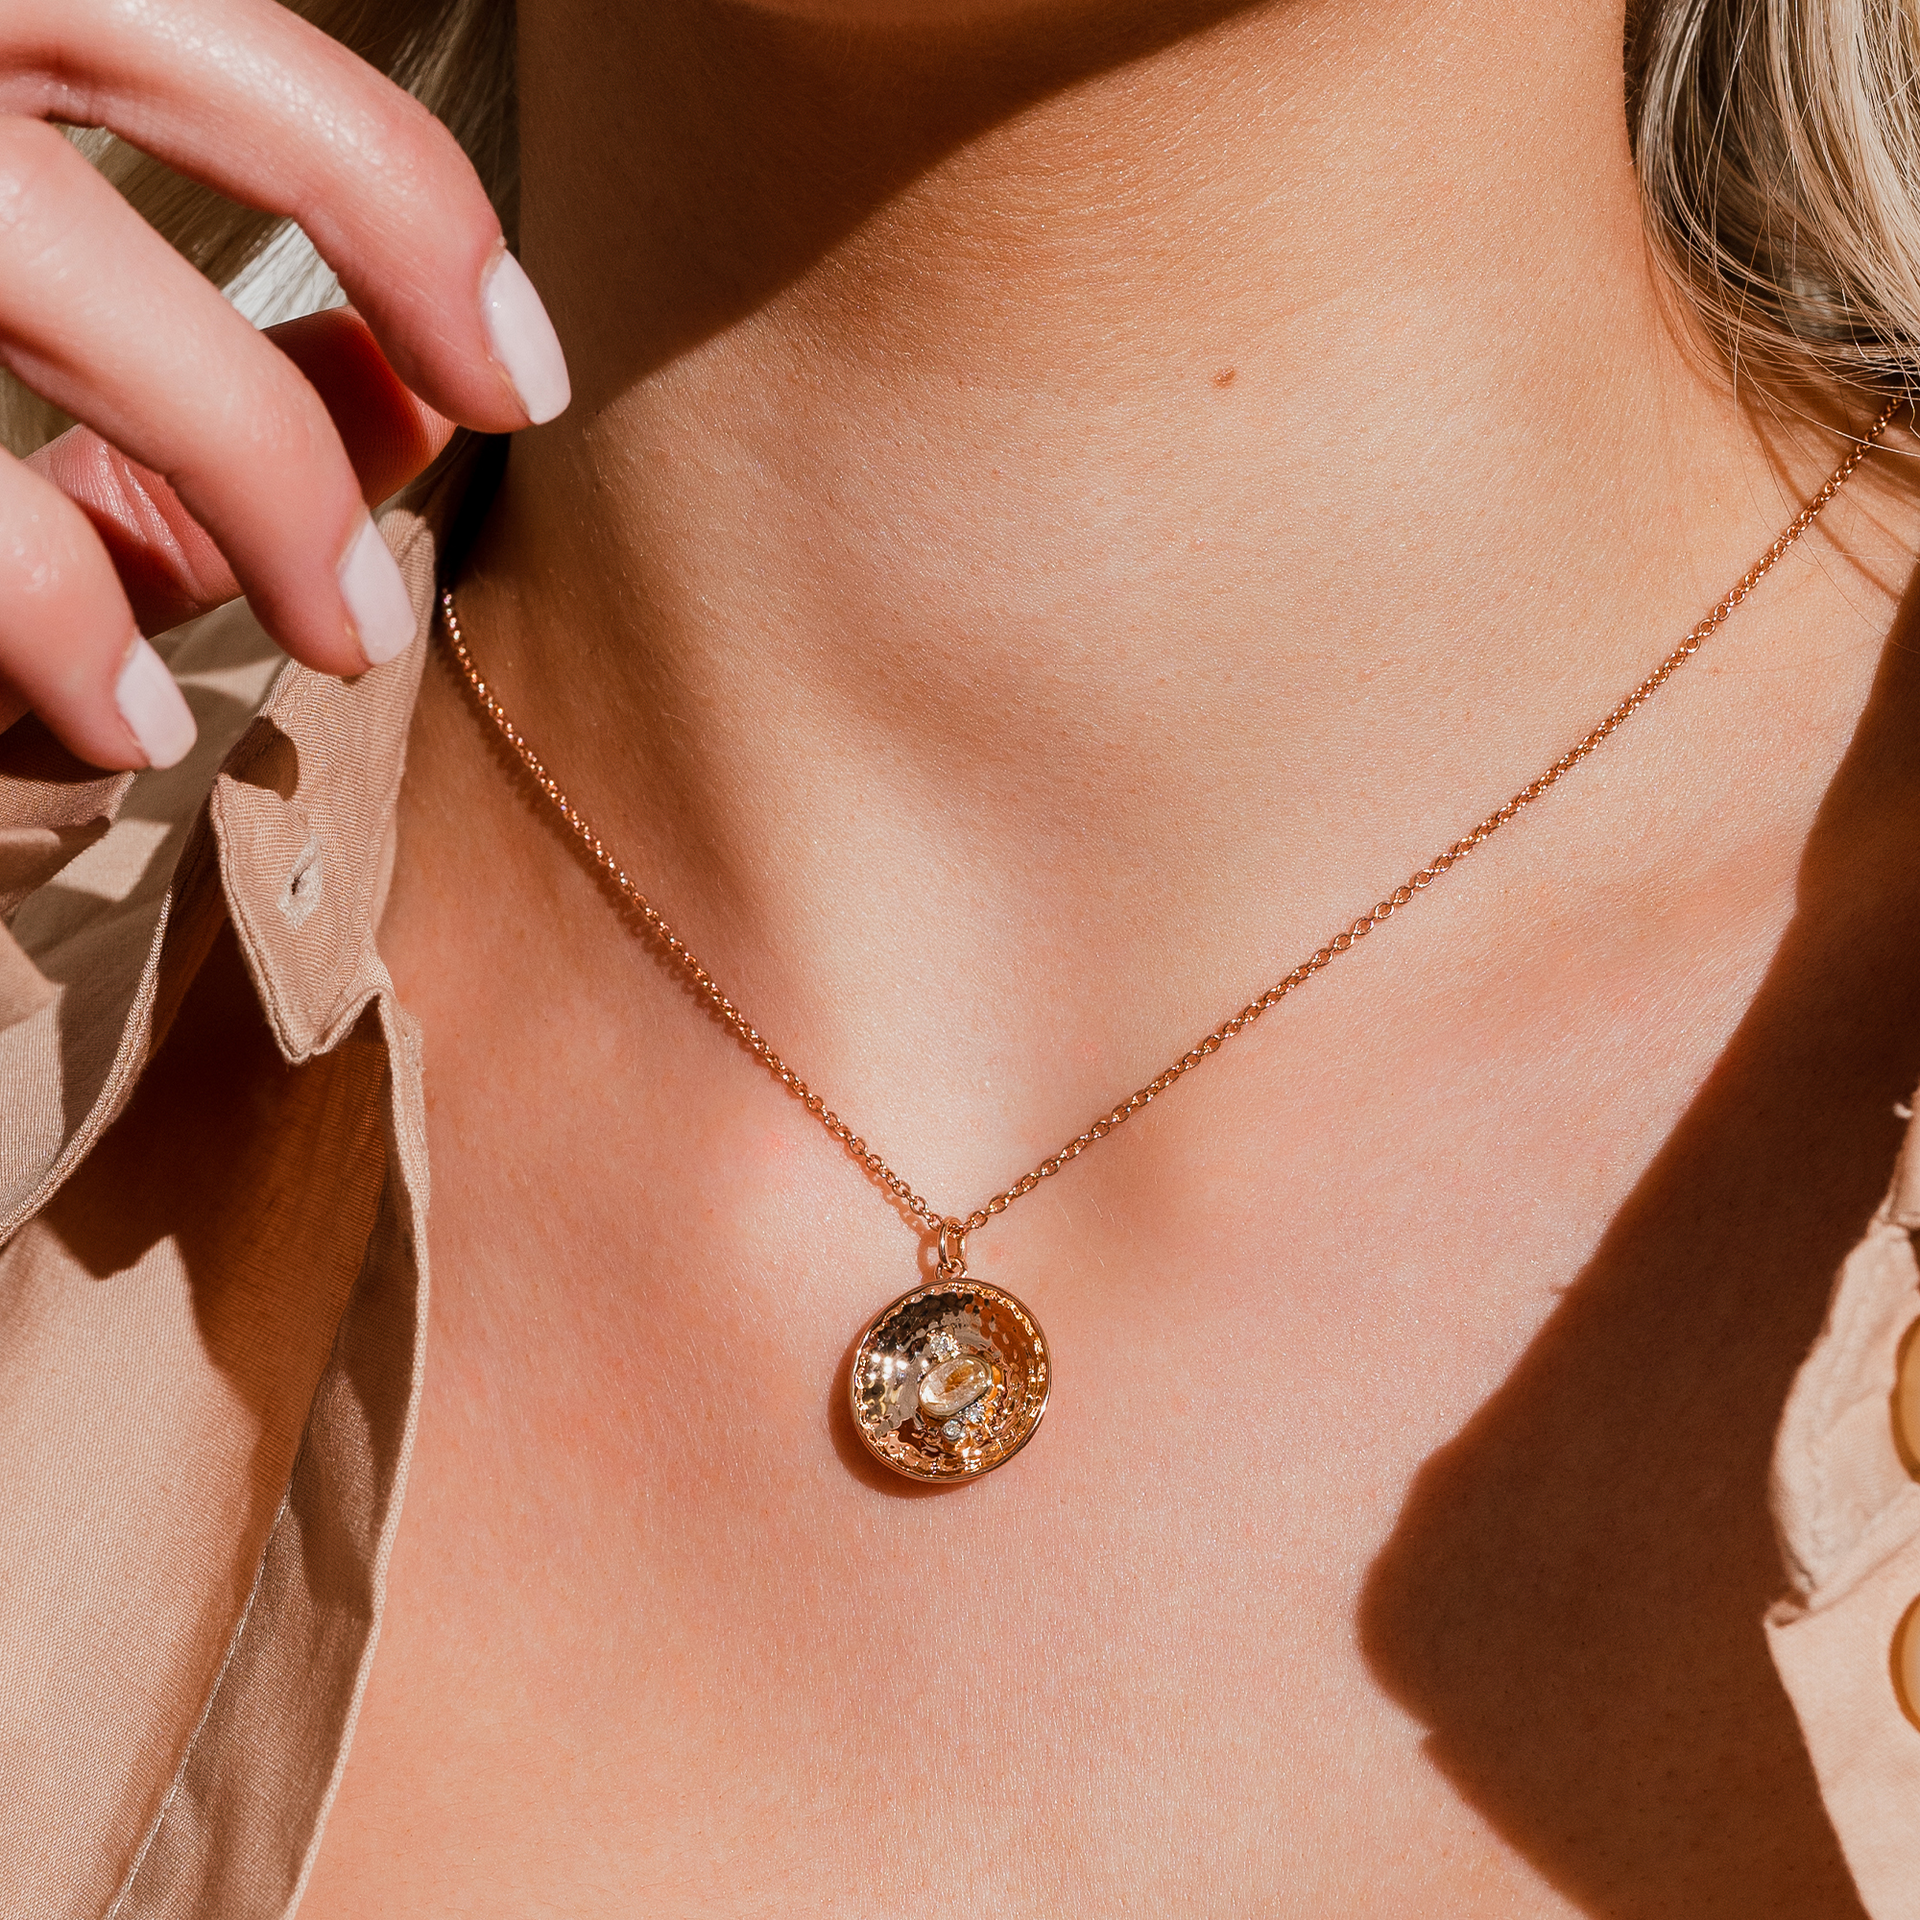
(223, 459)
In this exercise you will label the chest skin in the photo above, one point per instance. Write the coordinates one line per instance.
(1397, 1537)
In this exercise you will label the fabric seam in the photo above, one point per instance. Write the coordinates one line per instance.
(213, 1694)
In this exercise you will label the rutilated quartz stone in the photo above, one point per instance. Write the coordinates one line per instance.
(954, 1385)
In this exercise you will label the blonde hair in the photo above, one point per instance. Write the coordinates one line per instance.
(1777, 144)
(1778, 149)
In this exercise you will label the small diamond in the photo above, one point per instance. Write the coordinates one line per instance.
(942, 1346)
(952, 1429)
(975, 1413)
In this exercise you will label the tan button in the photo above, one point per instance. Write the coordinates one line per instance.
(1906, 1401)
(1906, 1662)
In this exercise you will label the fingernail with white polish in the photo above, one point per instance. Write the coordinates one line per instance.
(376, 597)
(153, 707)
(524, 341)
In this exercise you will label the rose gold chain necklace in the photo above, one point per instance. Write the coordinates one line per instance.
(951, 1380)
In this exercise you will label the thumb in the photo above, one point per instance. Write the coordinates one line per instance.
(170, 568)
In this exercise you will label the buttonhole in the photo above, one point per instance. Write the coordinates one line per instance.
(301, 894)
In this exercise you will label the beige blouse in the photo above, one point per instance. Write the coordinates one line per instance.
(213, 1300)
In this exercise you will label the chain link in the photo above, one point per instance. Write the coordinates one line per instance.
(955, 1227)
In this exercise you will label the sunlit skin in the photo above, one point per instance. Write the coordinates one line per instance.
(1058, 514)
(1061, 509)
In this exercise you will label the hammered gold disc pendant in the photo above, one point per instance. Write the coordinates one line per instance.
(950, 1381)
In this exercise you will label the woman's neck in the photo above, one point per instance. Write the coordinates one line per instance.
(1091, 475)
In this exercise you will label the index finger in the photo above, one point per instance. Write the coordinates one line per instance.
(266, 109)
(169, 565)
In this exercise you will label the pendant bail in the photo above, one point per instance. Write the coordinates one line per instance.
(953, 1249)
